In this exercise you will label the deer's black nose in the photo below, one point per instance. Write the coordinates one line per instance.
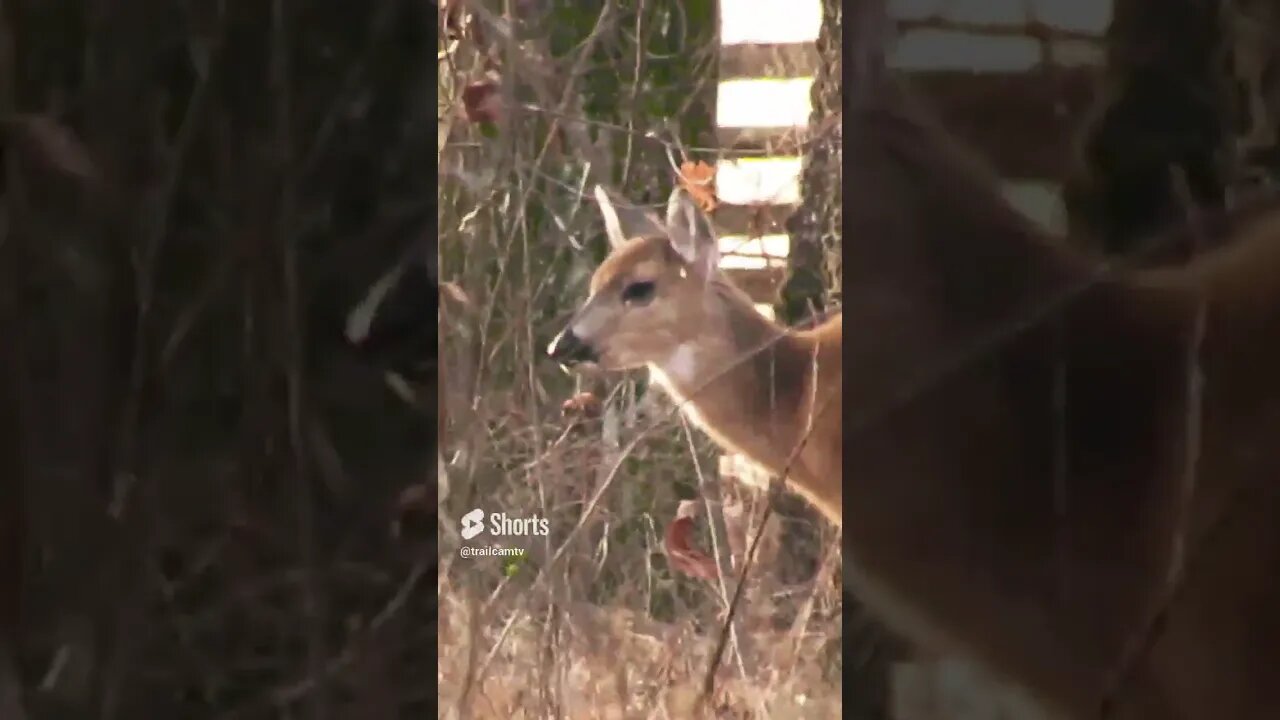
(568, 349)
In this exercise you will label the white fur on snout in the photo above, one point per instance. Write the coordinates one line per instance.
(587, 324)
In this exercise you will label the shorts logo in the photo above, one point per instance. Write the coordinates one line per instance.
(472, 524)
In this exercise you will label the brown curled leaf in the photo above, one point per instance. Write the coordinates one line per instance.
(699, 180)
(481, 101)
(678, 543)
(582, 405)
(455, 294)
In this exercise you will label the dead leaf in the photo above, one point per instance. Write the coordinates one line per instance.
(699, 180)
(677, 542)
(584, 404)
(481, 101)
(455, 294)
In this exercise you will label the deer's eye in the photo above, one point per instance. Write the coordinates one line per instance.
(638, 293)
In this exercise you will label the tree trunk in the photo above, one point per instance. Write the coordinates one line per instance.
(1158, 145)
(814, 272)
(1254, 37)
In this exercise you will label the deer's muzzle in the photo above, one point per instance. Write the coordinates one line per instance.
(567, 349)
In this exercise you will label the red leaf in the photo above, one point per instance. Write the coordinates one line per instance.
(480, 101)
(679, 548)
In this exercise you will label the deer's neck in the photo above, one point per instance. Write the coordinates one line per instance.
(1240, 287)
(744, 382)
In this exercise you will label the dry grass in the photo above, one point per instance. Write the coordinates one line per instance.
(612, 631)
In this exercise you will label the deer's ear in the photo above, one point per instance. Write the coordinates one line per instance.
(612, 225)
(623, 221)
(690, 232)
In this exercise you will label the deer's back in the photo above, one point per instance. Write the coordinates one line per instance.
(823, 453)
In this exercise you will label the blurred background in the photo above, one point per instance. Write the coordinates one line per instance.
(221, 492)
(199, 473)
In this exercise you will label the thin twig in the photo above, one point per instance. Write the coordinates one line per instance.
(719, 537)
(775, 490)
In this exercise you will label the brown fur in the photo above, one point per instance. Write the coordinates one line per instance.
(1030, 524)
(754, 388)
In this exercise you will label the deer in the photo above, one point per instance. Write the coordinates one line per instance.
(1063, 468)
(661, 302)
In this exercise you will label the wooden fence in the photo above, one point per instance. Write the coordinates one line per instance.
(767, 63)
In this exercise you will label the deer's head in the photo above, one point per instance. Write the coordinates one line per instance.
(649, 298)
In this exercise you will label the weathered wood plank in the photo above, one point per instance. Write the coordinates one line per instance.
(754, 60)
(751, 220)
(762, 141)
